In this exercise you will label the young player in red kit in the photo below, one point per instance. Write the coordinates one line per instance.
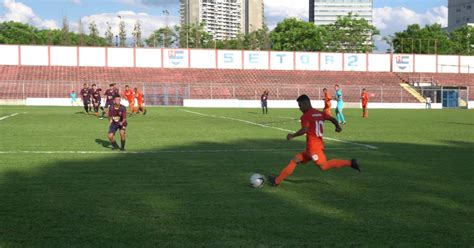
(364, 97)
(312, 122)
(130, 96)
(109, 97)
(118, 121)
(327, 102)
(139, 96)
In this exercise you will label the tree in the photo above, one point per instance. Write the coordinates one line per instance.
(351, 34)
(80, 33)
(164, 37)
(296, 35)
(194, 36)
(463, 40)
(122, 33)
(109, 36)
(137, 34)
(65, 33)
(93, 34)
(18, 33)
(428, 40)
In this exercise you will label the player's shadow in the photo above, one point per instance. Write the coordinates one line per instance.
(103, 143)
(197, 195)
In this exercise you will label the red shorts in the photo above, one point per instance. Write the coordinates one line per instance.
(317, 156)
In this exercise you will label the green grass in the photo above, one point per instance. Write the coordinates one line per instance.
(417, 189)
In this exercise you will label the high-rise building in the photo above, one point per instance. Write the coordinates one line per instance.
(460, 13)
(224, 19)
(323, 12)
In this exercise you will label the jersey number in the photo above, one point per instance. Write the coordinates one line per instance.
(319, 128)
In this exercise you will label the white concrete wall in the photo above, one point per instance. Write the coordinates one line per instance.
(307, 61)
(402, 63)
(176, 58)
(92, 56)
(34, 55)
(355, 62)
(448, 64)
(63, 56)
(202, 58)
(379, 62)
(282, 61)
(229, 59)
(120, 57)
(425, 63)
(331, 61)
(147, 57)
(9, 55)
(256, 60)
(232, 59)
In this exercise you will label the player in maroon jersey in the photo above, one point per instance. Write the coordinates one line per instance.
(86, 97)
(312, 123)
(118, 121)
(96, 100)
(109, 97)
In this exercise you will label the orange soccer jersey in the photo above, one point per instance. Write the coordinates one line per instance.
(365, 98)
(327, 104)
(129, 94)
(139, 97)
(314, 121)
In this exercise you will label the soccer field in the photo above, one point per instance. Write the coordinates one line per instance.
(184, 180)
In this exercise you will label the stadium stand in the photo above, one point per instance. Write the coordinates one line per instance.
(19, 82)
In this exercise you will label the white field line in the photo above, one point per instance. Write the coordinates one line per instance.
(165, 151)
(8, 116)
(277, 128)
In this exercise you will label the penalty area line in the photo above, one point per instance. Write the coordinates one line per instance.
(276, 128)
(169, 151)
(8, 116)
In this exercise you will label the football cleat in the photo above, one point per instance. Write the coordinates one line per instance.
(355, 165)
(272, 181)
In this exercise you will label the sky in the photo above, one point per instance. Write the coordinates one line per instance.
(390, 16)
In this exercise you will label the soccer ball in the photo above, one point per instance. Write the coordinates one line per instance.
(257, 180)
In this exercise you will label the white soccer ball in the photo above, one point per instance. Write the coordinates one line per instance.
(257, 180)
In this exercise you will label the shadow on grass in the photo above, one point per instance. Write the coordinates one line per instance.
(103, 143)
(181, 197)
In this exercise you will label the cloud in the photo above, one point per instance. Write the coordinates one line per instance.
(77, 2)
(149, 23)
(277, 10)
(159, 3)
(390, 20)
(19, 12)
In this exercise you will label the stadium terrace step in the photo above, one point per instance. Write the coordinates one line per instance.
(413, 92)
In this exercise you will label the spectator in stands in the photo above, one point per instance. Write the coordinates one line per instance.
(340, 105)
(73, 97)
(364, 97)
(263, 101)
(428, 102)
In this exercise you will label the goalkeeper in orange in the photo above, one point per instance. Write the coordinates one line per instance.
(139, 96)
(130, 96)
(312, 123)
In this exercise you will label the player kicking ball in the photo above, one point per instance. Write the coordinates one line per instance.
(312, 123)
(118, 121)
